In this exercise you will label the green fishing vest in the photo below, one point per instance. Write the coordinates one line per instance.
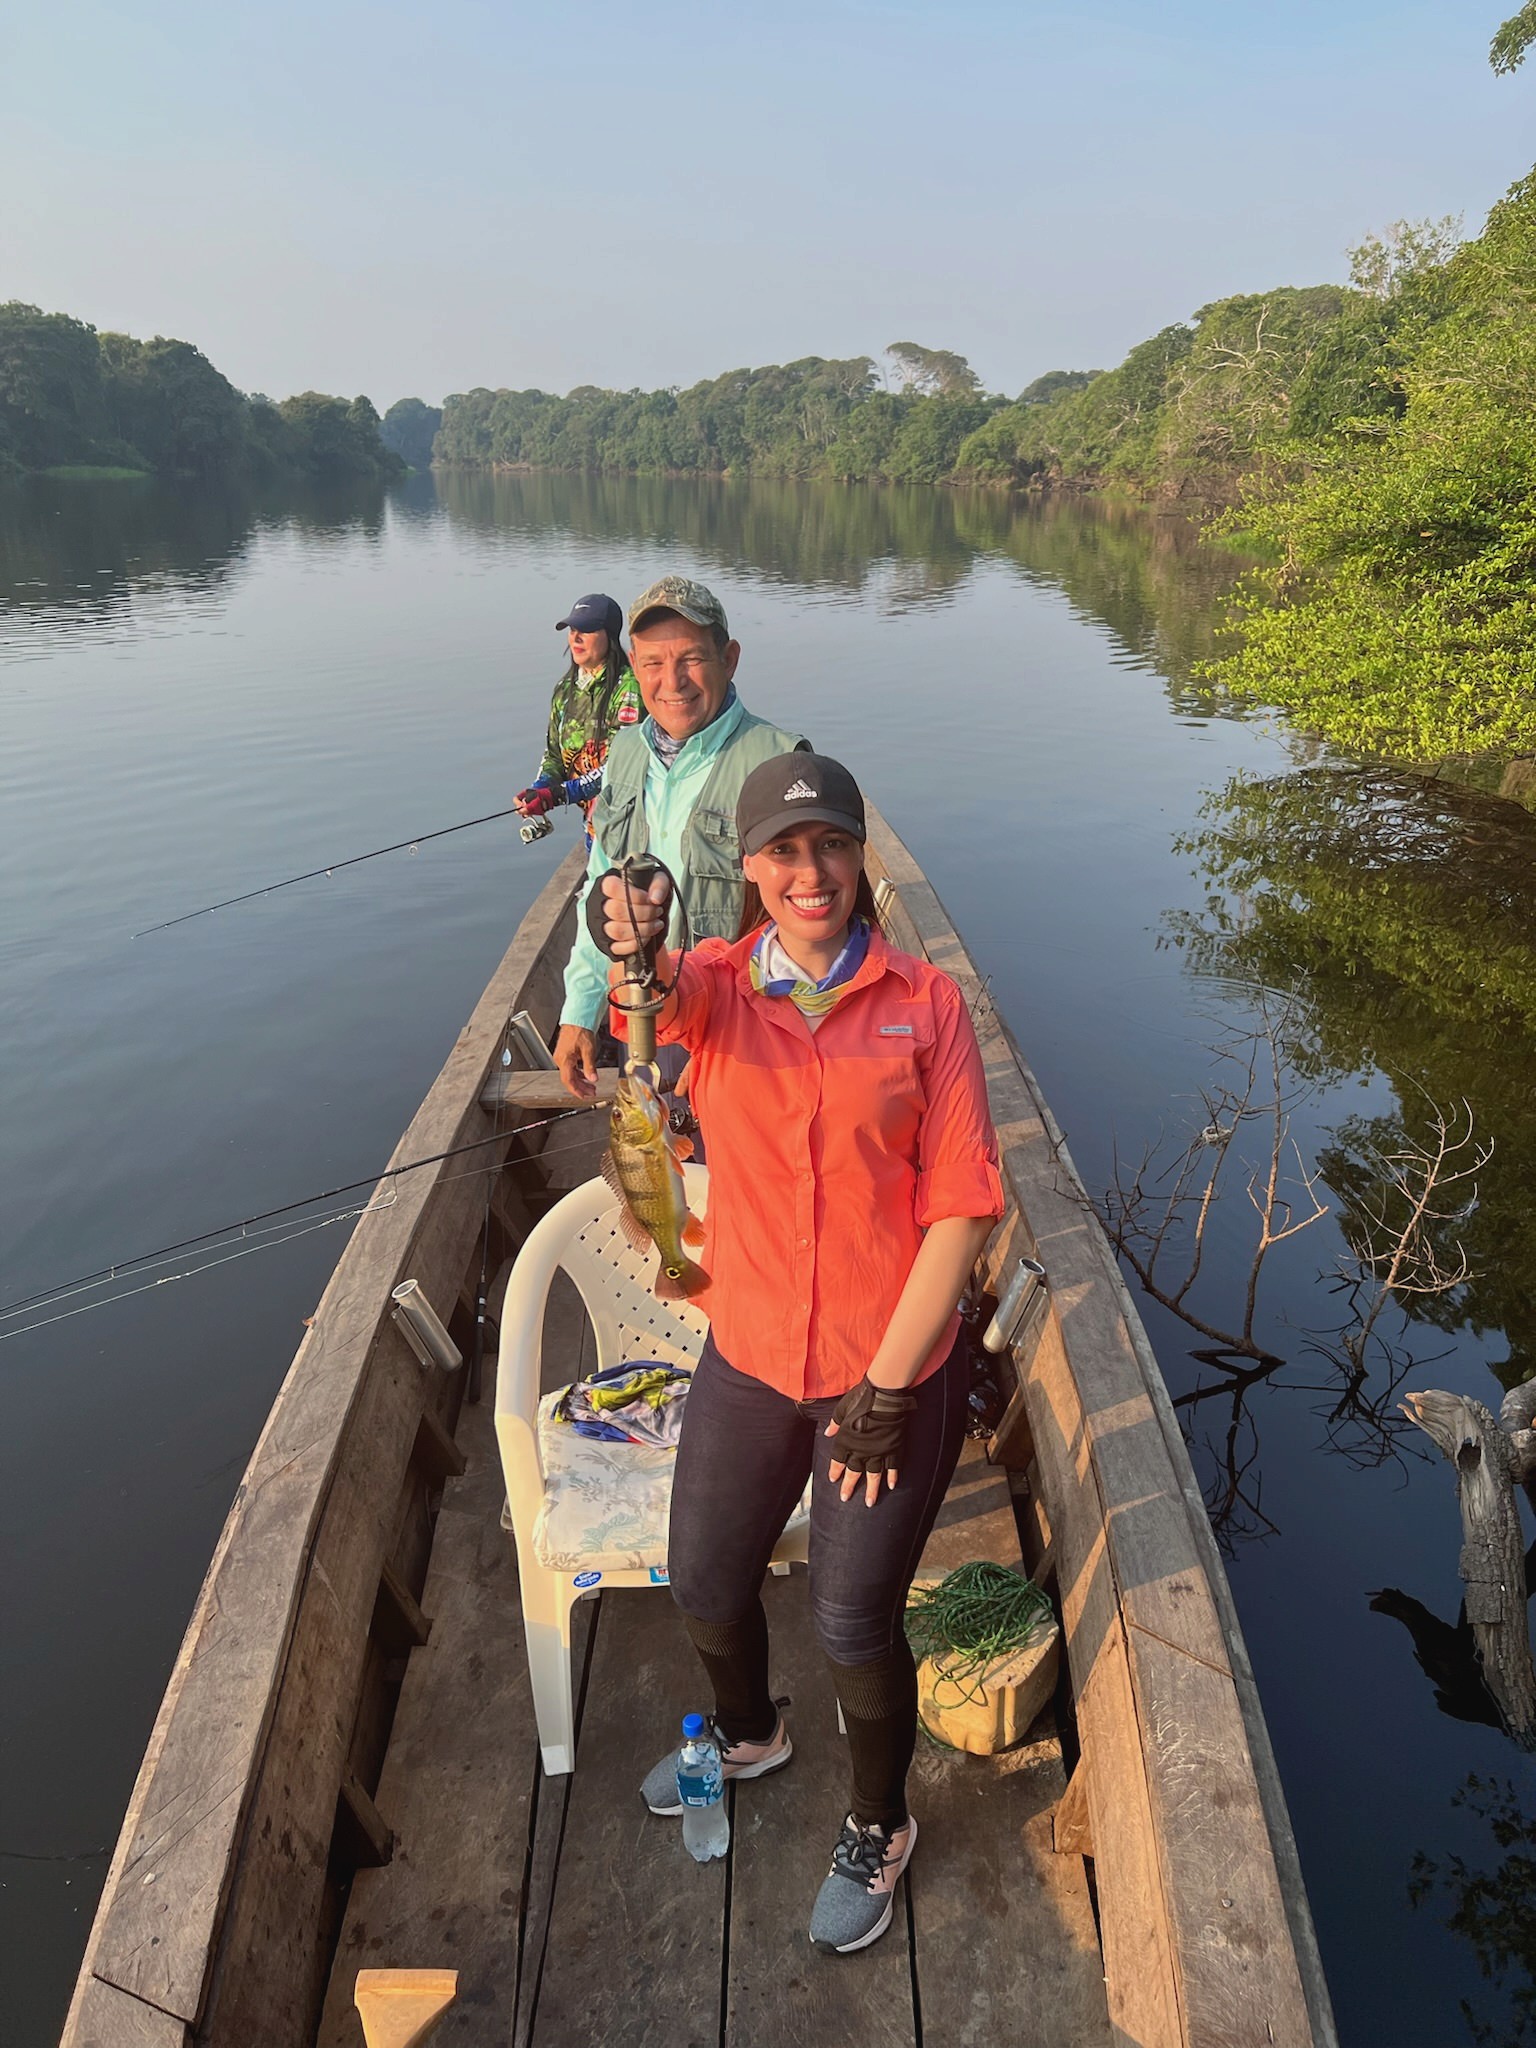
(711, 882)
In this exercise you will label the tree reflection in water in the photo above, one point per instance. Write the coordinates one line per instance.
(1404, 909)
(1400, 912)
(1495, 1909)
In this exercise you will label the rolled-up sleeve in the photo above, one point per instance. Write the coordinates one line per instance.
(957, 1145)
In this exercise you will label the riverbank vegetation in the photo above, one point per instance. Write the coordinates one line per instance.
(74, 402)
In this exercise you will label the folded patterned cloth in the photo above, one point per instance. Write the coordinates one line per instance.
(637, 1402)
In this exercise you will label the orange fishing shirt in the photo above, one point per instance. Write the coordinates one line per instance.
(830, 1153)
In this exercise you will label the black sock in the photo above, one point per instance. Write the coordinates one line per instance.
(879, 1703)
(735, 1656)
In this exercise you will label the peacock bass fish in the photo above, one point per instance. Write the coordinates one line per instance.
(642, 1167)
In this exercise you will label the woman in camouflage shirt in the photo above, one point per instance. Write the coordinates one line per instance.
(596, 695)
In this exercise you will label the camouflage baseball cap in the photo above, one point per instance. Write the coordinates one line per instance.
(679, 594)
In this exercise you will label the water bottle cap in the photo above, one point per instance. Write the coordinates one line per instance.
(693, 1726)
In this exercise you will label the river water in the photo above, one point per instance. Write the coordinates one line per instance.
(202, 695)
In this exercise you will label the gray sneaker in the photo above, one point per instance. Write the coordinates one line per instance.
(853, 1907)
(737, 1760)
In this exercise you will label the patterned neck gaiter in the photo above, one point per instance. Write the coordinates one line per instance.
(775, 974)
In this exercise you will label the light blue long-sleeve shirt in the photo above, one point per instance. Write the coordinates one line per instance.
(670, 797)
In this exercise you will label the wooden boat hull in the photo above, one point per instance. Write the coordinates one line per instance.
(221, 1910)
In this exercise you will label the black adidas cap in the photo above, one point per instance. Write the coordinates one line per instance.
(794, 790)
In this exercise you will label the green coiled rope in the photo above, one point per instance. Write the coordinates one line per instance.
(970, 1618)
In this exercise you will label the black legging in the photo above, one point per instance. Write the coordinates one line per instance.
(742, 1463)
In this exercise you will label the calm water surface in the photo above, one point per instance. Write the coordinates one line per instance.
(200, 696)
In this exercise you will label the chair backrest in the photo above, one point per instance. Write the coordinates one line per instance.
(581, 1237)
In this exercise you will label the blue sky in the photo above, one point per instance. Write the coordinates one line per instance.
(403, 200)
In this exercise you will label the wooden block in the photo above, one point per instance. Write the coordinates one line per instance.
(1071, 1829)
(989, 1709)
(374, 1842)
(406, 1620)
(993, 1708)
(398, 2007)
(435, 1450)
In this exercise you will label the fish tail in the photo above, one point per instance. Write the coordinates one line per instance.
(690, 1281)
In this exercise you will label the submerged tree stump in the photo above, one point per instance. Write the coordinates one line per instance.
(1493, 1547)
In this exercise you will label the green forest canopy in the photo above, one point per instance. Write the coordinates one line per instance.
(72, 397)
(1375, 441)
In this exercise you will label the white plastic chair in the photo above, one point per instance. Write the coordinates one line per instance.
(581, 1237)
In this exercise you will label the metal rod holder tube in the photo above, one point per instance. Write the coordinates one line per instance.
(1018, 1299)
(423, 1328)
(885, 897)
(522, 1030)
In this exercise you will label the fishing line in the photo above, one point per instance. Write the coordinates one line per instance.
(103, 1274)
(193, 1272)
(130, 1267)
(335, 866)
(271, 1243)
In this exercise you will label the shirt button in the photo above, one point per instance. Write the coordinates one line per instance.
(804, 1243)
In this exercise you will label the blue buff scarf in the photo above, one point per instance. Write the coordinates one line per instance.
(810, 998)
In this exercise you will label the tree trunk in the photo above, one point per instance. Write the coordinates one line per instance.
(1493, 1548)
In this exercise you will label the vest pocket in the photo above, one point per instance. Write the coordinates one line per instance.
(611, 823)
(714, 874)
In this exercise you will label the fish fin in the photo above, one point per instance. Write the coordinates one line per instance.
(633, 1229)
(682, 1147)
(692, 1281)
(639, 1237)
(693, 1230)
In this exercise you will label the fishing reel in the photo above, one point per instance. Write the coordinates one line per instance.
(535, 828)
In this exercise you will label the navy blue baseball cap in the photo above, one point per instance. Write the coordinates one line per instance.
(596, 613)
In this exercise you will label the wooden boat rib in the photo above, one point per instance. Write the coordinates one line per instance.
(344, 1768)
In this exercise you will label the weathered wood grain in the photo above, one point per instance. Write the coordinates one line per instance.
(779, 1990)
(457, 1781)
(1006, 1947)
(103, 2017)
(285, 1604)
(634, 1949)
(976, 1519)
(1149, 1615)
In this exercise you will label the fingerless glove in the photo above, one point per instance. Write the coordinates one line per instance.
(871, 1426)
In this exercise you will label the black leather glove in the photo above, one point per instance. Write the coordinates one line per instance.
(871, 1426)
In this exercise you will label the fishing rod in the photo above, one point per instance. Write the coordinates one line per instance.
(124, 1267)
(335, 866)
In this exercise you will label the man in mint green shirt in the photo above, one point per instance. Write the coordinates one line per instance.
(669, 788)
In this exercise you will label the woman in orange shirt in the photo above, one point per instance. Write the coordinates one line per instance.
(853, 1183)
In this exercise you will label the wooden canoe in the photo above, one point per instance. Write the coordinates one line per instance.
(344, 1770)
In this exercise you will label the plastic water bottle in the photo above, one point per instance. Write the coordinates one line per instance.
(701, 1788)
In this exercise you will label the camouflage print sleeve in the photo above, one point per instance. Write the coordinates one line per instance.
(552, 769)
